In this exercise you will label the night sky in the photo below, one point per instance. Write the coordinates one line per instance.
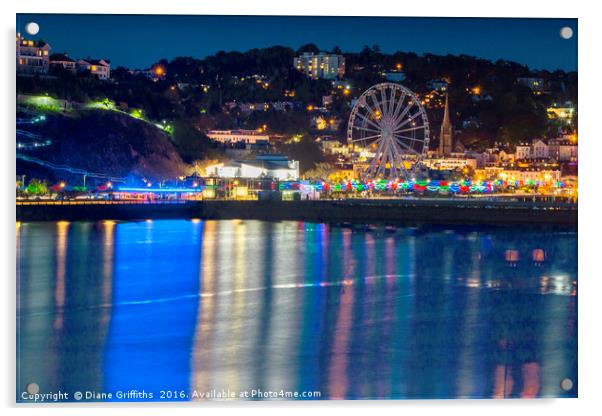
(138, 41)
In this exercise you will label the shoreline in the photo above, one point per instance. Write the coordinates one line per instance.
(386, 211)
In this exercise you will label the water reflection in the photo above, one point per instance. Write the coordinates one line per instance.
(214, 306)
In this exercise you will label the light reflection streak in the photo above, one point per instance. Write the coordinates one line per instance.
(340, 350)
(62, 230)
(338, 383)
(503, 382)
(201, 377)
(235, 331)
(530, 373)
(108, 249)
(467, 371)
(555, 334)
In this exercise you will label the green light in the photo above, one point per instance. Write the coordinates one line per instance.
(104, 104)
(167, 128)
(137, 113)
(43, 102)
(36, 187)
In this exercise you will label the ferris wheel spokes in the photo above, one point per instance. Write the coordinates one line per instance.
(382, 123)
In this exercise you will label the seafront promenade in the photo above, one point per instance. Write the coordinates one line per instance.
(393, 211)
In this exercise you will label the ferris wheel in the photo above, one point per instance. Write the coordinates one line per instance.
(390, 121)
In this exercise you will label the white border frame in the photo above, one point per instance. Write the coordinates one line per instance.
(590, 347)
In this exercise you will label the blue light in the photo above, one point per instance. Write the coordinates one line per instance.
(155, 190)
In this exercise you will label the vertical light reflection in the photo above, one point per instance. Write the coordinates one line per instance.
(260, 352)
(444, 330)
(503, 382)
(36, 270)
(369, 251)
(236, 325)
(155, 306)
(280, 373)
(225, 350)
(62, 230)
(108, 250)
(367, 313)
(467, 372)
(557, 334)
(201, 377)
(404, 311)
(389, 285)
(530, 372)
(390, 259)
(253, 275)
(337, 375)
(18, 264)
(323, 248)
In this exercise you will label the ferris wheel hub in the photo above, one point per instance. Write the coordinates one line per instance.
(390, 119)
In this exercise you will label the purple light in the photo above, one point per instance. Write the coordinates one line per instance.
(127, 189)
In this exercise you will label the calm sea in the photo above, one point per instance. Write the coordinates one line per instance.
(189, 310)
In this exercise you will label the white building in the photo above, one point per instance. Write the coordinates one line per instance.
(61, 60)
(538, 149)
(560, 149)
(547, 176)
(32, 56)
(450, 163)
(98, 67)
(321, 65)
(523, 151)
(563, 150)
(237, 136)
(265, 166)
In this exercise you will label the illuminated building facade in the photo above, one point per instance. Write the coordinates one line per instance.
(521, 175)
(32, 56)
(237, 136)
(321, 65)
(450, 163)
(562, 113)
(264, 166)
(98, 67)
(538, 149)
(562, 149)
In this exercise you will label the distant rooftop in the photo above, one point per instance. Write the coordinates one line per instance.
(63, 57)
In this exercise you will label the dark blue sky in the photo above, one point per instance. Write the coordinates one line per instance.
(137, 41)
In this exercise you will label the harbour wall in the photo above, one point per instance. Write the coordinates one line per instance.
(393, 211)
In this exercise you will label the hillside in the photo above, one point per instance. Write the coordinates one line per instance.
(103, 142)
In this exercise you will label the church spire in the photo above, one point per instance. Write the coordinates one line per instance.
(445, 137)
(446, 121)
